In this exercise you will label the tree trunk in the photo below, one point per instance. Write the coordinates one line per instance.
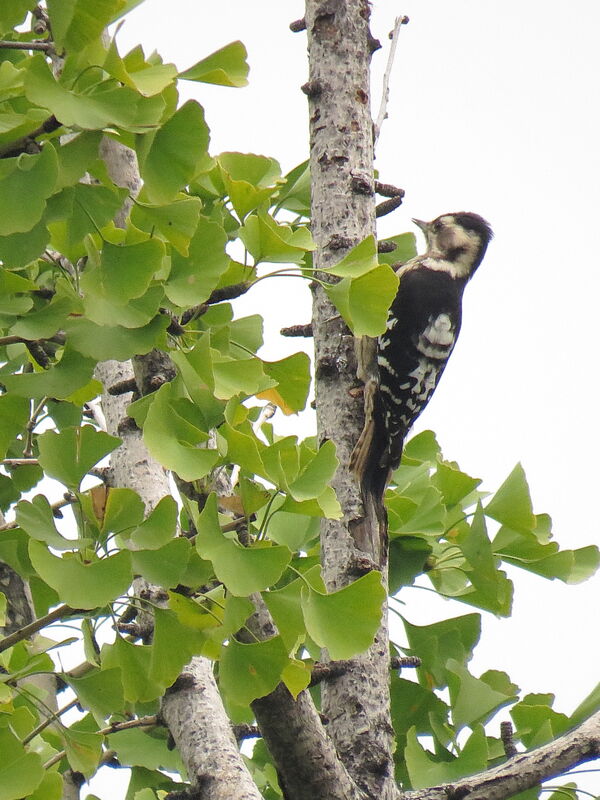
(343, 214)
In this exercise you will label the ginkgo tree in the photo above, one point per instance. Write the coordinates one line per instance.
(218, 581)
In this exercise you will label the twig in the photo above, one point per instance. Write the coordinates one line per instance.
(59, 338)
(6, 44)
(329, 670)
(35, 626)
(298, 330)
(21, 145)
(245, 731)
(55, 508)
(54, 718)
(506, 734)
(18, 462)
(298, 25)
(398, 23)
(142, 722)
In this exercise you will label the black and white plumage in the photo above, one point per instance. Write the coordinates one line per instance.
(422, 329)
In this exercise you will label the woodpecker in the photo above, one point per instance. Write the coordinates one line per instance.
(422, 328)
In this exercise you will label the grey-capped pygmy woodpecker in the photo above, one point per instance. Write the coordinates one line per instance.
(422, 328)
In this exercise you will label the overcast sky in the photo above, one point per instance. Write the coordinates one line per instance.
(493, 109)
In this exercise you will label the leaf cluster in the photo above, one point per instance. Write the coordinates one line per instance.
(77, 289)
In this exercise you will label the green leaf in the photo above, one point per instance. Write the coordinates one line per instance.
(59, 381)
(20, 249)
(80, 210)
(84, 750)
(525, 550)
(248, 671)
(226, 67)
(472, 700)
(364, 302)
(30, 176)
(536, 722)
(37, 519)
(243, 570)
(453, 484)
(14, 415)
(13, 12)
(317, 473)
(193, 276)
(165, 566)
(511, 505)
(100, 691)
(412, 706)
(70, 454)
(296, 676)
(295, 192)
(493, 589)
(82, 585)
(134, 71)
(76, 156)
(424, 771)
(173, 645)
(14, 551)
(134, 663)
(286, 609)
(587, 707)
(406, 248)
(326, 615)
(293, 382)
(103, 342)
(358, 261)
(225, 376)
(293, 530)
(21, 772)
(172, 436)
(159, 527)
(435, 644)
(248, 180)
(123, 510)
(176, 221)
(570, 566)
(144, 747)
(266, 240)
(171, 156)
(124, 272)
(103, 107)
(408, 557)
(48, 320)
(75, 24)
(51, 788)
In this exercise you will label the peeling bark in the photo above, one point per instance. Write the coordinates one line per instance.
(343, 214)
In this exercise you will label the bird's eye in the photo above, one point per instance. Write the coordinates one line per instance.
(437, 226)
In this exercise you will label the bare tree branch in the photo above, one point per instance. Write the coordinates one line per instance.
(385, 95)
(524, 770)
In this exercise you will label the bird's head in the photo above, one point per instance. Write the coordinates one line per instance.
(460, 239)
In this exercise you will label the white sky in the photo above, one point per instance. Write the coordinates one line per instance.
(493, 109)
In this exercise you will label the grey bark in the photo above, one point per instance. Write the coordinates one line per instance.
(307, 763)
(192, 709)
(343, 214)
(524, 770)
(194, 713)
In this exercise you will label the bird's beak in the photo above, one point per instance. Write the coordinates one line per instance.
(423, 225)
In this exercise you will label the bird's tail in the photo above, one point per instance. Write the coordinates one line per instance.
(369, 461)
